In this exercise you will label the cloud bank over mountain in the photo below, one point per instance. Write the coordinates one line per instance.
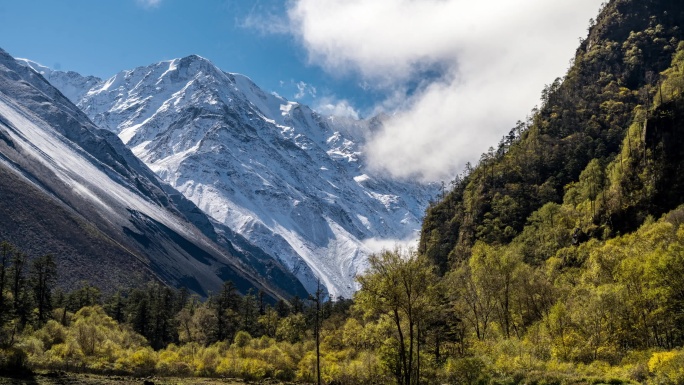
(446, 66)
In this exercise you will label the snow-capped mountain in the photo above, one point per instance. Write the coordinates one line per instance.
(288, 179)
(76, 191)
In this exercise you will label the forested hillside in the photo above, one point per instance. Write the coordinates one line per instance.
(558, 259)
(616, 81)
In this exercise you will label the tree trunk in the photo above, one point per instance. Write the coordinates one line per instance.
(402, 349)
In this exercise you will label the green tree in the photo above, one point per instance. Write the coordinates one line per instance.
(400, 284)
(249, 314)
(43, 278)
(470, 299)
(282, 308)
(86, 295)
(291, 328)
(227, 306)
(196, 323)
(269, 322)
(115, 307)
(548, 230)
(6, 252)
(20, 296)
(140, 313)
(163, 304)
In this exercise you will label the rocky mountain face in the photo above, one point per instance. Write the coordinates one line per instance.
(289, 180)
(75, 191)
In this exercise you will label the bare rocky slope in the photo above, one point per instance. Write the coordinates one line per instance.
(75, 191)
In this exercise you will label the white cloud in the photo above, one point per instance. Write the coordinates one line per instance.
(331, 106)
(304, 89)
(265, 20)
(492, 59)
(266, 24)
(149, 3)
(378, 245)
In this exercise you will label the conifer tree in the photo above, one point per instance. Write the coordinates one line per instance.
(20, 303)
(6, 252)
(43, 279)
(227, 307)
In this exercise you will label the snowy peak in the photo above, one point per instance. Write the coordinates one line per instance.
(192, 65)
(70, 83)
(108, 216)
(288, 179)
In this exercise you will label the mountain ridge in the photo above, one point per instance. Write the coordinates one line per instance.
(104, 192)
(288, 179)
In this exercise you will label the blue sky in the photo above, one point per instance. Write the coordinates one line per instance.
(101, 38)
(452, 75)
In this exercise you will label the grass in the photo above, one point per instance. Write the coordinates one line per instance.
(65, 378)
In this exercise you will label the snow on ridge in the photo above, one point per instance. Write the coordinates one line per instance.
(41, 69)
(173, 65)
(289, 180)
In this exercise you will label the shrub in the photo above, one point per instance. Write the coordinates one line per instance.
(141, 361)
(12, 360)
(468, 370)
(52, 333)
(252, 369)
(242, 339)
(170, 363)
(207, 361)
(667, 367)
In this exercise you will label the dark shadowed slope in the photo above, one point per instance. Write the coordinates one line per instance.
(71, 189)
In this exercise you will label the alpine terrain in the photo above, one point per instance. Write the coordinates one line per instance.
(291, 181)
(75, 191)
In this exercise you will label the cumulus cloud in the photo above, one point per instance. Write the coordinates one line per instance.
(458, 73)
